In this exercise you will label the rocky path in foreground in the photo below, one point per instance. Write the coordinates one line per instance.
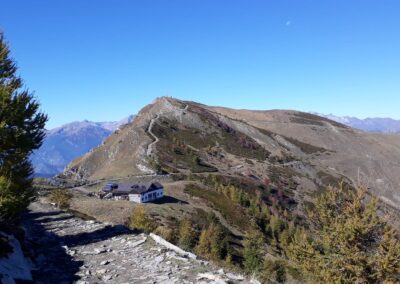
(67, 249)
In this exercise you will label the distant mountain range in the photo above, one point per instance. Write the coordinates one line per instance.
(381, 125)
(65, 143)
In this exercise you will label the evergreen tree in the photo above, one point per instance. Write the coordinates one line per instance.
(349, 242)
(21, 132)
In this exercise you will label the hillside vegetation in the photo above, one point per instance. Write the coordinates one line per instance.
(247, 186)
(342, 239)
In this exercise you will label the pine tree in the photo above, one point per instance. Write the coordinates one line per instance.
(349, 242)
(21, 132)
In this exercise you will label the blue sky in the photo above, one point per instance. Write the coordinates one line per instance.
(103, 60)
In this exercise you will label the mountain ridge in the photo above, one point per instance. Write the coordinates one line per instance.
(307, 144)
(51, 159)
(240, 172)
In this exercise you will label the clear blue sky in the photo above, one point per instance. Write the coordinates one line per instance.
(103, 60)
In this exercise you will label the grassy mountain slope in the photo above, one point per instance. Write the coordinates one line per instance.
(234, 172)
(370, 158)
(307, 149)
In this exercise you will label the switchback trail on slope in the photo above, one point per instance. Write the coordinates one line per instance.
(151, 146)
(156, 139)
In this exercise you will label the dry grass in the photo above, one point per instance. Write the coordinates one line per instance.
(119, 211)
(115, 212)
(351, 152)
(61, 198)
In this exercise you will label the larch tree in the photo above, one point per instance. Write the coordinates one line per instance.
(213, 243)
(187, 234)
(140, 220)
(21, 131)
(253, 251)
(348, 242)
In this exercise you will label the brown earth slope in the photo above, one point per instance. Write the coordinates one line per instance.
(373, 159)
(307, 151)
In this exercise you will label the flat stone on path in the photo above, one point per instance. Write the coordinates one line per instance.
(67, 249)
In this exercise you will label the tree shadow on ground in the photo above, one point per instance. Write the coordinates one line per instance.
(61, 218)
(53, 263)
(96, 236)
(168, 200)
(36, 215)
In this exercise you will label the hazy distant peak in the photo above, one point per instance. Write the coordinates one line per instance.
(71, 140)
(114, 125)
(76, 126)
(370, 124)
